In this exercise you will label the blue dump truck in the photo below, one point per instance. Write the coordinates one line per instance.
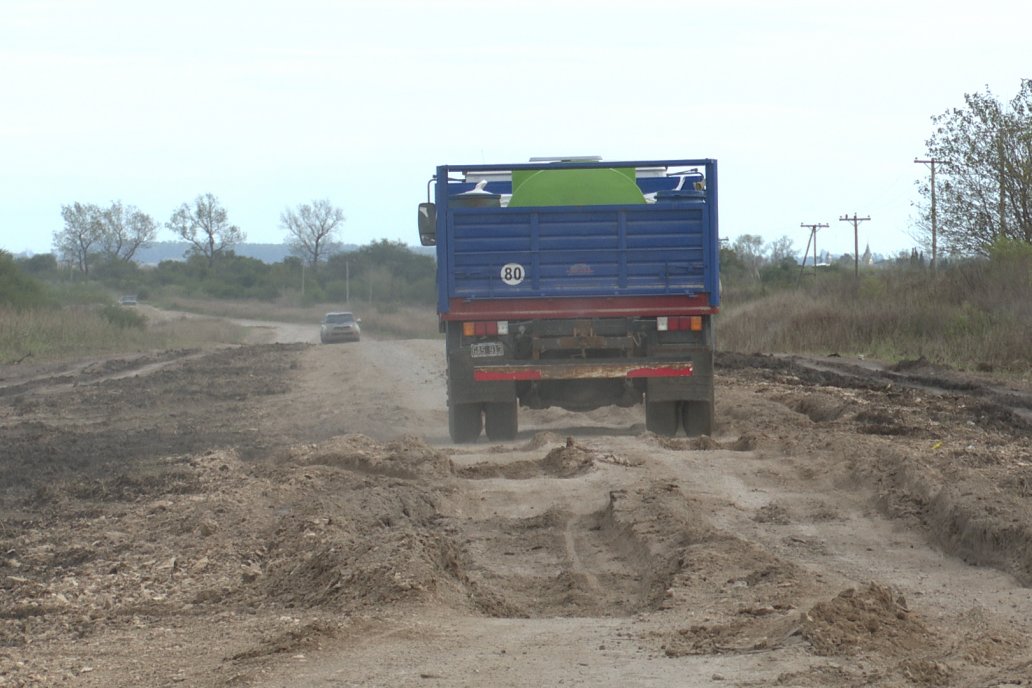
(576, 283)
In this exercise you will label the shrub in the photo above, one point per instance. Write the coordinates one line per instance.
(123, 317)
(18, 289)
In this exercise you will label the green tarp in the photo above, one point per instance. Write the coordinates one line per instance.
(610, 186)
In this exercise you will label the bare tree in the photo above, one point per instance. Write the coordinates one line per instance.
(749, 248)
(125, 229)
(206, 226)
(311, 230)
(81, 234)
(781, 249)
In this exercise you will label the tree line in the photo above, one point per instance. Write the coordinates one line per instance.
(381, 273)
(97, 247)
(93, 234)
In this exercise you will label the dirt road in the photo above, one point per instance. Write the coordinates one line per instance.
(290, 514)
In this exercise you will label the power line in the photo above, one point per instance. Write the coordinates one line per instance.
(856, 240)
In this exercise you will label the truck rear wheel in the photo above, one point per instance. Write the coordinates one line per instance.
(697, 417)
(464, 422)
(500, 420)
(661, 417)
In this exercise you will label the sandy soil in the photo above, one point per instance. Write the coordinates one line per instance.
(290, 514)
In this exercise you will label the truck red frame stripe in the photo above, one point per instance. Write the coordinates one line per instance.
(577, 307)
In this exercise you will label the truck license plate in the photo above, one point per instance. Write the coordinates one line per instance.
(486, 349)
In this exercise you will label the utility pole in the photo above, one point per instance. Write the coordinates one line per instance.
(856, 240)
(813, 240)
(931, 162)
(1003, 181)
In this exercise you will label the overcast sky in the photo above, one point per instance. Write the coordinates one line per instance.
(814, 109)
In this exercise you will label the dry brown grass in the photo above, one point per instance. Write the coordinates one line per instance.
(74, 331)
(974, 315)
(398, 322)
(968, 316)
(55, 334)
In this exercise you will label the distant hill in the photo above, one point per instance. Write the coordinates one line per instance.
(267, 253)
(176, 250)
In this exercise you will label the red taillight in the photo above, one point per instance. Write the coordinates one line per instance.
(679, 323)
(482, 328)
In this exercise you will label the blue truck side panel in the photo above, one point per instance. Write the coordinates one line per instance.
(669, 247)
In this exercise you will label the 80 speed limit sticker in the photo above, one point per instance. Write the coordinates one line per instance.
(513, 274)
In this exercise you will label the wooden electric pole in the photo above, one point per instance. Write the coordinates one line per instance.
(856, 240)
(813, 240)
(931, 162)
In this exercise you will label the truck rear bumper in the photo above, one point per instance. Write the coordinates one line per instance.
(582, 371)
(578, 307)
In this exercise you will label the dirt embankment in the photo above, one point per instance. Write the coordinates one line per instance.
(290, 514)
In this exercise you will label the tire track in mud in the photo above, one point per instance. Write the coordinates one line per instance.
(652, 552)
(95, 419)
(946, 452)
(647, 548)
(1005, 405)
(576, 565)
(565, 561)
(64, 377)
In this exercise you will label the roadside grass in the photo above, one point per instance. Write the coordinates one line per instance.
(975, 314)
(402, 322)
(76, 330)
(971, 316)
(58, 333)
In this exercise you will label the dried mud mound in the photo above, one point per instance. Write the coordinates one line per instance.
(377, 543)
(407, 457)
(871, 619)
(745, 442)
(872, 622)
(336, 526)
(568, 461)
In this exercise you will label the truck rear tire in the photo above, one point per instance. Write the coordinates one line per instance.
(661, 417)
(500, 420)
(464, 422)
(697, 417)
